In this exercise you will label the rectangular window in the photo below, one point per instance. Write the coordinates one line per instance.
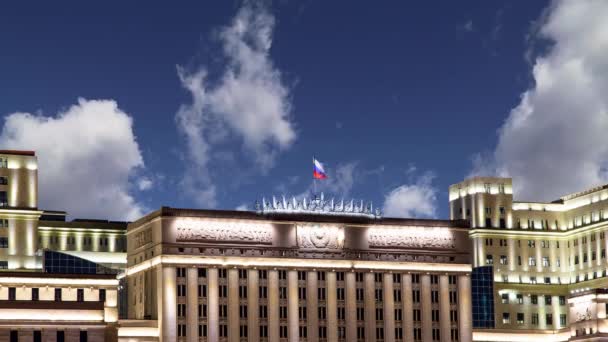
(102, 295)
(3, 180)
(3, 242)
(58, 295)
(3, 199)
(80, 295)
(83, 336)
(35, 294)
(12, 293)
(506, 318)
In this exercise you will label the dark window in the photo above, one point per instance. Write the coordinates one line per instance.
(3, 180)
(3, 242)
(37, 336)
(14, 336)
(11, 293)
(502, 223)
(102, 295)
(60, 336)
(3, 199)
(483, 297)
(58, 295)
(83, 336)
(488, 222)
(80, 298)
(34, 294)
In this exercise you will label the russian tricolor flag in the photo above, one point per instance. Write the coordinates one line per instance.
(318, 172)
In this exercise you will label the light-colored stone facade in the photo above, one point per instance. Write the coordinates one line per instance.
(544, 257)
(203, 275)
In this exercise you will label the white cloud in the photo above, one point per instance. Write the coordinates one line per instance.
(242, 207)
(144, 184)
(86, 155)
(248, 101)
(418, 199)
(554, 142)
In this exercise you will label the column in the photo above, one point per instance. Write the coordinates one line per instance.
(332, 307)
(169, 303)
(408, 307)
(426, 307)
(213, 305)
(292, 306)
(370, 307)
(192, 304)
(351, 306)
(233, 305)
(312, 300)
(253, 305)
(273, 306)
(389, 308)
(444, 308)
(464, 309)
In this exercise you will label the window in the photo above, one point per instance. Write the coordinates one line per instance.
(506, 319)
(505, 298)
(531, 261)
(520, 299)
(547, 300)
(3, 199)
(12, 293)
(503, 260)
(562, 320)
(3, 242)
(487, 188)
(534, 299)
(534, 319)
(14, 336)
(102, 295)
(3, 180)
(520, 318)
(80, 295)
(60, 336)
(562, 300)
(489, 259)
(549, 319)
(83, 336)
(546, 262)
(35, 294)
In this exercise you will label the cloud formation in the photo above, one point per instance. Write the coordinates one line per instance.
(86, 155)
(248, 102)
(417, 199)
(554, 141)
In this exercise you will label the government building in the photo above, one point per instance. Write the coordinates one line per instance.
(547, 260)
(305, 270)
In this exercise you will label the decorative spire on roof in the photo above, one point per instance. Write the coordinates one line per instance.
(317, 205)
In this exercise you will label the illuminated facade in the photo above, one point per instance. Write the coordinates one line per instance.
(57, 278)
(296, 272)
(548, 260)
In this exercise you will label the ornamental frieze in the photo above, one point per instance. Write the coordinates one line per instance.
(410, 237)
(224, 231)
(322, 237)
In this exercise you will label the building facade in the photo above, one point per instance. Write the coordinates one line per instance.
(548, 260)
(296, 275)
(57, 278)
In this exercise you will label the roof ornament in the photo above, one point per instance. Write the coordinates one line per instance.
(316, 205)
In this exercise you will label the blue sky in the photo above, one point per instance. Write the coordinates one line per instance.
(399, 100)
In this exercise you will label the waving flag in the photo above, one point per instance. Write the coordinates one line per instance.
(318, 172)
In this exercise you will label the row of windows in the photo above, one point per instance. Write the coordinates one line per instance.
(546, 261)
(534, 318)
(533, 299)
(302, 275)
(544, 243)
(35, 294)
(322, 332)
(37, 336)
